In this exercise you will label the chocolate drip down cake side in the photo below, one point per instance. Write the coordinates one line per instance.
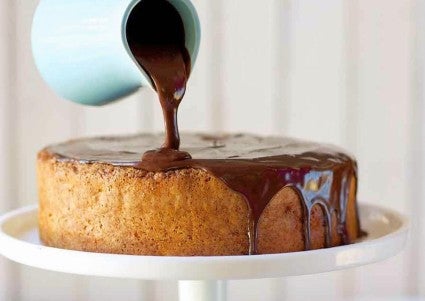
(239, 194)
(216, 195)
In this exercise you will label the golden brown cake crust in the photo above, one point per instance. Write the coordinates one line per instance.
(115, 209)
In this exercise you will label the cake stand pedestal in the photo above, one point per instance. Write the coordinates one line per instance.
(203, 278)
(205, 290)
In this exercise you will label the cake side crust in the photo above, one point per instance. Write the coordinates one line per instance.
(104, 208)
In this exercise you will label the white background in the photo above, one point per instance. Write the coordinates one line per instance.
(349, 72)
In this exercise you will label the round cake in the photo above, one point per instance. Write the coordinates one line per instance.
(235, 195)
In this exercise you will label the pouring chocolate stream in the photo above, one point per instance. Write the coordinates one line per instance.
(162, 53)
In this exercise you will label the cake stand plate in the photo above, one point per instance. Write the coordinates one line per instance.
(19, 241)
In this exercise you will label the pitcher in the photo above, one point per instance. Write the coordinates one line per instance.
(80, 47)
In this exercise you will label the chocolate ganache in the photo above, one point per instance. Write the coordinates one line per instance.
(257, 168)
(156, 36)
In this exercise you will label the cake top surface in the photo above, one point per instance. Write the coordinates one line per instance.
(127, 150)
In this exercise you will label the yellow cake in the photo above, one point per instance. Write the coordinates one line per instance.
(238, 195)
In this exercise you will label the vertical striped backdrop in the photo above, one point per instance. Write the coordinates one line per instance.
(349, 72)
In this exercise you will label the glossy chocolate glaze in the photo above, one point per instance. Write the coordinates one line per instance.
(256, 167)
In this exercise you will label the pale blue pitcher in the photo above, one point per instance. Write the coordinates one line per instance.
(81, 50)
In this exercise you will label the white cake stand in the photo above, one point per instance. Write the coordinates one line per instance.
(203, 278)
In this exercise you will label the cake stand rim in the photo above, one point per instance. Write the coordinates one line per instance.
(200, 267)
